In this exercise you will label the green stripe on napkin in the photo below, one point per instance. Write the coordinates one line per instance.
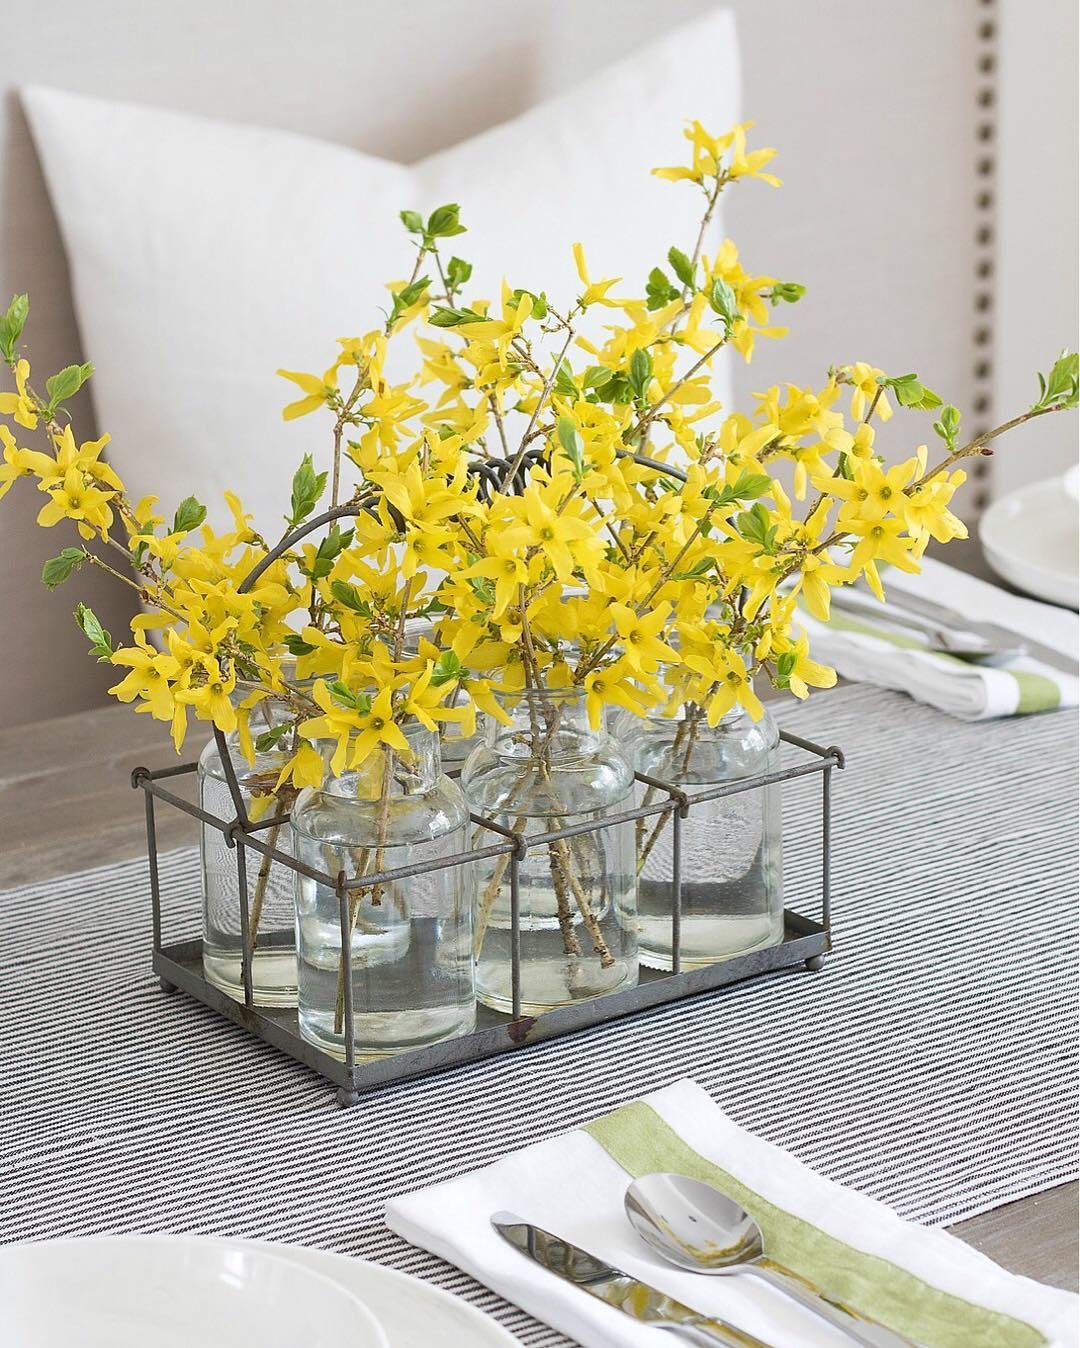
(1037, 692)
(843, 623)
(639, 1140)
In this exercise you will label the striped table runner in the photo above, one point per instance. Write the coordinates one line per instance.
(929, 1064)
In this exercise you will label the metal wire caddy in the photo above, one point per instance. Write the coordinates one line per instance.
(179, 964)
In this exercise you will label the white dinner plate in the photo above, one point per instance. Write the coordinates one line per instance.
(412, 1313)
(174, 1292)
(1030, 538)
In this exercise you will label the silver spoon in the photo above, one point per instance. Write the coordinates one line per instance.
(694, 1226)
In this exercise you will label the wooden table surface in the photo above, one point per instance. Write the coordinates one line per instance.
(66, 804)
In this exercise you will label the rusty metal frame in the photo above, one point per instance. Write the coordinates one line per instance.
(179, 965)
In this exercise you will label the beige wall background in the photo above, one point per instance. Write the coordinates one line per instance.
(871, 104)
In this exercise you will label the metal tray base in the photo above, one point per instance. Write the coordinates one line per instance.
(180, 966)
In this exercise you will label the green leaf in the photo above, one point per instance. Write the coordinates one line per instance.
(342, 693)
(928, 399)
(350, 596)
(573, 446)
(413, 221)
(539, 308)
(307, 488)
(443, 222)
(785, 665)
(57, 569)
(408, 296)
(447, 668)
(12, 324)
(749, 484)
(754, 526)
(746, 487)
(296, 645)
(722, 301)
(458, 272)
(948, 426)
(564, 381)
(345, 697)
(189, 515)
(659, 290)
(330, 547)
(1059, 388)
(100, 640)
(786, 292)
(617, 390)
(640, 374)
(66, 384)
(681, 266)
(700, 569)
(444, 317)
(911, 392)
(596, 376)
(1063, 375)
(483, 588)
(269, 739)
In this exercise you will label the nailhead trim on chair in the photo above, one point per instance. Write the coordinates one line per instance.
(982, 334)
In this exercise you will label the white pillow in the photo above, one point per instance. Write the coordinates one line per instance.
(205, 255)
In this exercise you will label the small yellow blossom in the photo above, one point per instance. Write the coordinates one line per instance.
(20, 404)
(74, 499)
(20, 462)
(318, 392)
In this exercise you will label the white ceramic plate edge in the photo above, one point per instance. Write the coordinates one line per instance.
(362, 1276)
(274, 1255)
(1047, 578)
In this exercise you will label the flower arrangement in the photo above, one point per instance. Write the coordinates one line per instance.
(563, 510)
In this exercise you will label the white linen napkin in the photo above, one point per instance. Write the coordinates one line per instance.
(573, 1185)
(868, 650)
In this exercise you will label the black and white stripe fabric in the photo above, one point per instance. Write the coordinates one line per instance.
(929, 1064)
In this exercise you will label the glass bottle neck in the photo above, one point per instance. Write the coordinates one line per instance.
(547, 723)
(691, 711)
(266, 716)
(395, 771)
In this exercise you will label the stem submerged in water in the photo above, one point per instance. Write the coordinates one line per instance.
(568, 871)
(685, 739)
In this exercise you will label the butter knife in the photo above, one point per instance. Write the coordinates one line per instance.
(991, 632)
(643, 1303)
(950, 638)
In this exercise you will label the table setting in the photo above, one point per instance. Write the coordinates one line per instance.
(961, 1115)
(635, 892)
(955, 642)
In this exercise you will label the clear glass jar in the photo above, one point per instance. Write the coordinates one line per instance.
(410, 952)
(732, 899)
(578, 927)
(455, 746)
(271, 914)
